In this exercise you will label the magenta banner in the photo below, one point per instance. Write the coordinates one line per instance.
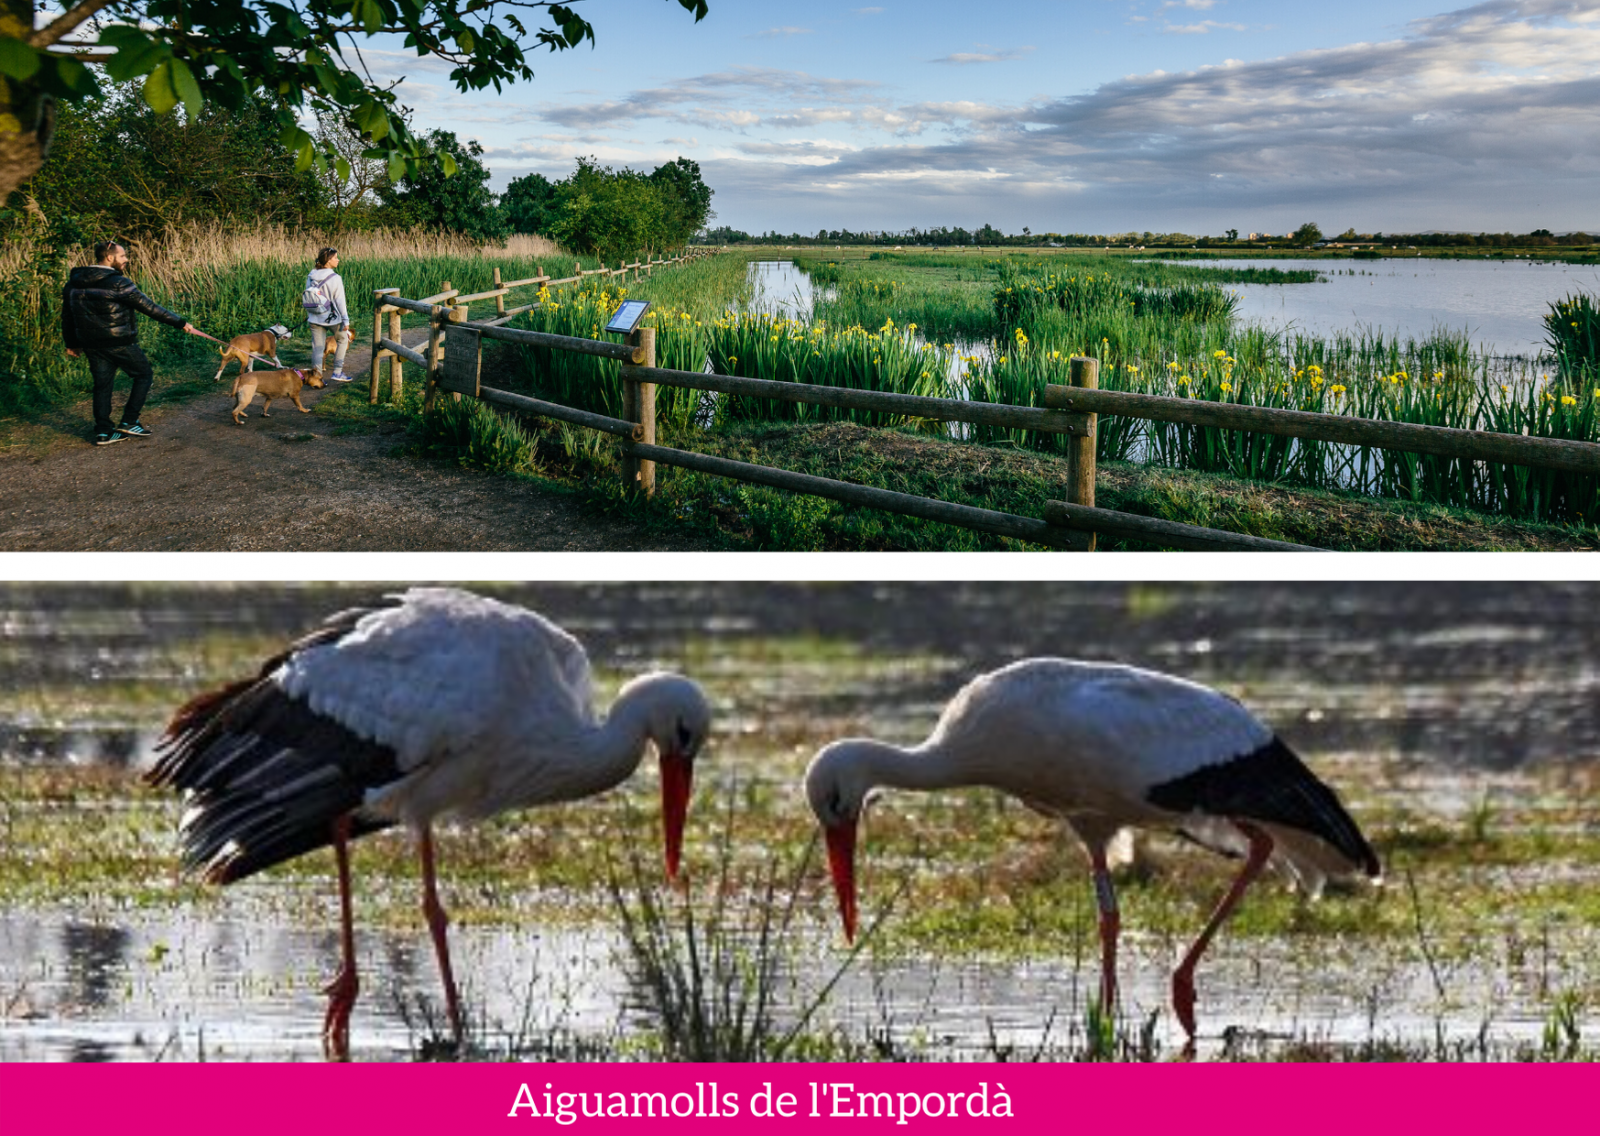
(268, 1100)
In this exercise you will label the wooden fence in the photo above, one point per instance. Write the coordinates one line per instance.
(450, 301)
(1072, 410)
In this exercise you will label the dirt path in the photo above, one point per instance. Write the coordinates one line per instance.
(283, 483)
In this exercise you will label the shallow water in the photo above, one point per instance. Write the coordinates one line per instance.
(779, 288)
(1438, 699)
(175, 986)
(1500, 304)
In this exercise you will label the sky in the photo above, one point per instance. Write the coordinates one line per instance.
(1097, 116)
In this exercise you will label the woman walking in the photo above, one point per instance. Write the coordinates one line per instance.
(326, 312)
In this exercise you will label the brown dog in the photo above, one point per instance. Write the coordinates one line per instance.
(241, 347)
(262, 343)
(286, 383)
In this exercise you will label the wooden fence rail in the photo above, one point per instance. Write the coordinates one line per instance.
(388, 301)
(1473, 445)
(911, 405)
(1069, 410)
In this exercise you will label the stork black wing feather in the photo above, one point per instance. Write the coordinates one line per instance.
(1270, 784)
(266, 777)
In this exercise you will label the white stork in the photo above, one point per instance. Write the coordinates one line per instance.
(1100, 747)
(443, 705)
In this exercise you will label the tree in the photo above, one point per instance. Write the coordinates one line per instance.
(291, 57)
(618, 213)
(528, 202)
(122, 167)
(1233, 234)
(352, 197)
(457, 203)
(688, 199)
(607, 213)
(1307, 235)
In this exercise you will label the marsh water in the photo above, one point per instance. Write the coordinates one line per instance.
(1437, 699)
(1500, 304)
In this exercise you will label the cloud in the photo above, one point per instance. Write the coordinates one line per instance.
(776, 33)
(1480, 117)
(740, 96)
(993, 56)
(867, 11)
(1201, 28)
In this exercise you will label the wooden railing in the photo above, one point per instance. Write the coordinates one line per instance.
(388, 302)
(1072, 410)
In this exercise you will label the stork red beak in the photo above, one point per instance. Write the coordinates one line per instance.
(842, 863)
(677, 773)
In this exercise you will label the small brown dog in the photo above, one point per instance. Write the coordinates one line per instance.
(260, 343)
(241, 347)
(286, 383)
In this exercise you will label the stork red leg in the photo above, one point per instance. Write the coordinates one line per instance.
(438, 921)
(1183, 977)
(342, 990)
(1105, 897)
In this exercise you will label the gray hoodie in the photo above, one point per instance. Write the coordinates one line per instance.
(340, 316)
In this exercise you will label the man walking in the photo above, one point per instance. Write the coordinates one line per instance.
(99, 319)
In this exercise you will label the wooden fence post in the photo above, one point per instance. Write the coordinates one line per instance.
(1080, 450)
(396, 378)
(500, 301)
(436, 320)
(639, 405)
(377, 334)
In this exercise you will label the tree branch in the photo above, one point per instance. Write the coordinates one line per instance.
(66, 22)
(86, 56)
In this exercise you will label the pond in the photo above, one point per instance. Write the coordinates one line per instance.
(1499, 304)
(1461, 722)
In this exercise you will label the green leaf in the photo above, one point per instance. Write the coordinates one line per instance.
(137, 53)
(186, 88)
(465, 39)
(17, 59)
(293, 138)
(158, 90)
(449, 164)
(397, 166)
(75, 76)
(372, 119)
(140, 59)
(123, 37)
(370, 15)
(327, 78)
(343, 166)
(307, 155)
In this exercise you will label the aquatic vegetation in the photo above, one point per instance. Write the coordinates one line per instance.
(1572, 329)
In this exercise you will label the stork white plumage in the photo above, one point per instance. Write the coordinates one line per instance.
(1102, 747)
(443, 705)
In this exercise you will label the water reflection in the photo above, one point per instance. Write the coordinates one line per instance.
(95, 958)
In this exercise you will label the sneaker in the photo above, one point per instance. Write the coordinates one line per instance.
(134, 431)
(107, 439)
(339, 377)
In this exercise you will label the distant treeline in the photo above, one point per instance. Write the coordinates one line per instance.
(1306, 236)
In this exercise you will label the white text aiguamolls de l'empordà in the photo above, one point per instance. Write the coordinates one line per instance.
(822, 1099)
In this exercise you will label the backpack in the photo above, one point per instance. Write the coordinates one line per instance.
(316, 301)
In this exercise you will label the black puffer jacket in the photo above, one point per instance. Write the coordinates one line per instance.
(99, 307)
